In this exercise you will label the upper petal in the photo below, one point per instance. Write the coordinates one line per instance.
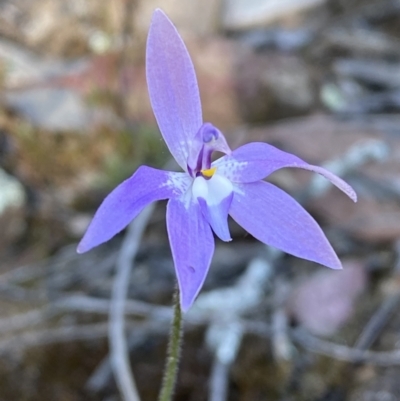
(256, 160)
(173, 89)
(126, 201)
(275, 218)
(192, 246)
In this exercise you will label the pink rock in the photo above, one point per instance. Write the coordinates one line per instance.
(325, 301)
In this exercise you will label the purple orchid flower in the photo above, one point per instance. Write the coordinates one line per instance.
(201, 197)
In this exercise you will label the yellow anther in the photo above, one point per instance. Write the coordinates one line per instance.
(209, 172)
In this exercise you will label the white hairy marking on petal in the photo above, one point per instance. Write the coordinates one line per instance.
(214, 190)
(179, 182)
(184, 146)
(188, 143)
(238, 188)
(229, 168)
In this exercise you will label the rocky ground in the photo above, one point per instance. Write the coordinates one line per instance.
(318, 78)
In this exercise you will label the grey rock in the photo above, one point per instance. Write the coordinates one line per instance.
(247, 14)
(51, 108)
(12, 204)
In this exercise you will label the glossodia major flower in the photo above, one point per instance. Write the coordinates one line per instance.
(202, 197)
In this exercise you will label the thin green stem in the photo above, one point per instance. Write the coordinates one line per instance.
(174, 351)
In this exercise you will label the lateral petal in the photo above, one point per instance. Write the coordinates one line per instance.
(128, 199)
(192, 246)
(173, 89)
(275, 218)
(256, 160)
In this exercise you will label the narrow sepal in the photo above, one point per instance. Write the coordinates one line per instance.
(192, 246)
(275, 218)
(128, 199)
(256, 160)
(173, 88)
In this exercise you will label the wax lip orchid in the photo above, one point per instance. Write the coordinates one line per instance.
(202, 197)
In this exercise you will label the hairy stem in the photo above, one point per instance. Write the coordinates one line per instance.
(174, 350)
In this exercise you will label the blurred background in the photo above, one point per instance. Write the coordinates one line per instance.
(318, 78)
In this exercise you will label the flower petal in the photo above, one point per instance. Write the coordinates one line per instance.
(126, 201)
(214, 197)
(275, 218)
(256, 160)
(192, 246)
(173, 89)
